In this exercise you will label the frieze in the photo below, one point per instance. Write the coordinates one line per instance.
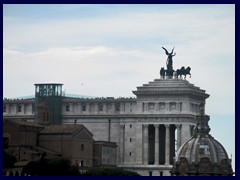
(167, 120)
(170, 120)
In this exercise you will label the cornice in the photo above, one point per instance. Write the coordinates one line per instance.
(135, 116)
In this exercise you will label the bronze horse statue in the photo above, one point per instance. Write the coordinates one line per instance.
(183, 72)
(162, 73)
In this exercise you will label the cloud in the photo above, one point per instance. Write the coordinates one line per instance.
(113, 54)
(104, 71)
(110, 50)
(173, 25)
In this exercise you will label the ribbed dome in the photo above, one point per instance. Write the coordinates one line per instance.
(202, 154)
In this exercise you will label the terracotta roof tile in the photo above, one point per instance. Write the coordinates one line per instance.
(64, 128)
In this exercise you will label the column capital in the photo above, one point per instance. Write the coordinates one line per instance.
(178, 126)
(156, 125)
(145, 125)
(167, 125)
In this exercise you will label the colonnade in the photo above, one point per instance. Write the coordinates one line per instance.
(165, 138)
(155, 144)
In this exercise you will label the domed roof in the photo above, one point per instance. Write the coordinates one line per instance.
(202, 154)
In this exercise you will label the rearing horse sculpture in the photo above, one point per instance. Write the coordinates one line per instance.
(183, 72)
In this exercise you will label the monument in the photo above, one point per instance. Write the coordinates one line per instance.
(169, 72)
(147, 129)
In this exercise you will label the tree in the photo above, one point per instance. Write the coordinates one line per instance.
(109, 172)
(51, 167)
(8, 160)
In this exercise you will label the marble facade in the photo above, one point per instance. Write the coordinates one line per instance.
(148, 129)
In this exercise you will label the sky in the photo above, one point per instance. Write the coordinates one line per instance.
(109, 50)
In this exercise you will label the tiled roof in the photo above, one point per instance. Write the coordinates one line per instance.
(23, 122)
(62, 129)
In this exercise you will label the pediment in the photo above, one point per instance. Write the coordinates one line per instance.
(83, 135)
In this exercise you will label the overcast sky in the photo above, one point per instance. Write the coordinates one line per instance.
(109, 50)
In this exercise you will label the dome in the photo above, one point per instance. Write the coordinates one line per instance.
(202, 154)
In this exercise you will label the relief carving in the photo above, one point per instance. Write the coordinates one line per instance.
(205, 165)
(183, 165)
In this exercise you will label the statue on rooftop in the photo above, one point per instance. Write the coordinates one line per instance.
(169, 62)
(162, 73)
(183, 72)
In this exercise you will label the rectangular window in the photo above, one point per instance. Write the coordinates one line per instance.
(82, 147)
(161, 173)
(20, 108)
(4, 108)
(130, 126)
(130, 153)
(109, 106)
(84, 107)
(150, 173)
(67, 107)
(100, 107)
(130, 139)
(117, 107)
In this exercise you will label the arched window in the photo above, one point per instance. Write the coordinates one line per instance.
(5, 142)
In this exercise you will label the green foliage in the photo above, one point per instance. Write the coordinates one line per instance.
(109, 172)
(51, 167)
(8, 160)
(62, 167)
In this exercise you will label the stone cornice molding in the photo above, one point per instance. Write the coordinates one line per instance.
(134, 116)
(170, 87)
(195, 95)
(164, 120)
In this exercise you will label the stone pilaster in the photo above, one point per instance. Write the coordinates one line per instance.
(7, 109)
(96, 109)
(122, 143)
(185, 132)
(87, 107)
(156, 157)
(145, 144)
(167, 144)
(79, 110)
(139, 144)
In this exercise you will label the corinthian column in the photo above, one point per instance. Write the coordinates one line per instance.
(145, 144)
(156, 162)
(167, 143)
(178, 135)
